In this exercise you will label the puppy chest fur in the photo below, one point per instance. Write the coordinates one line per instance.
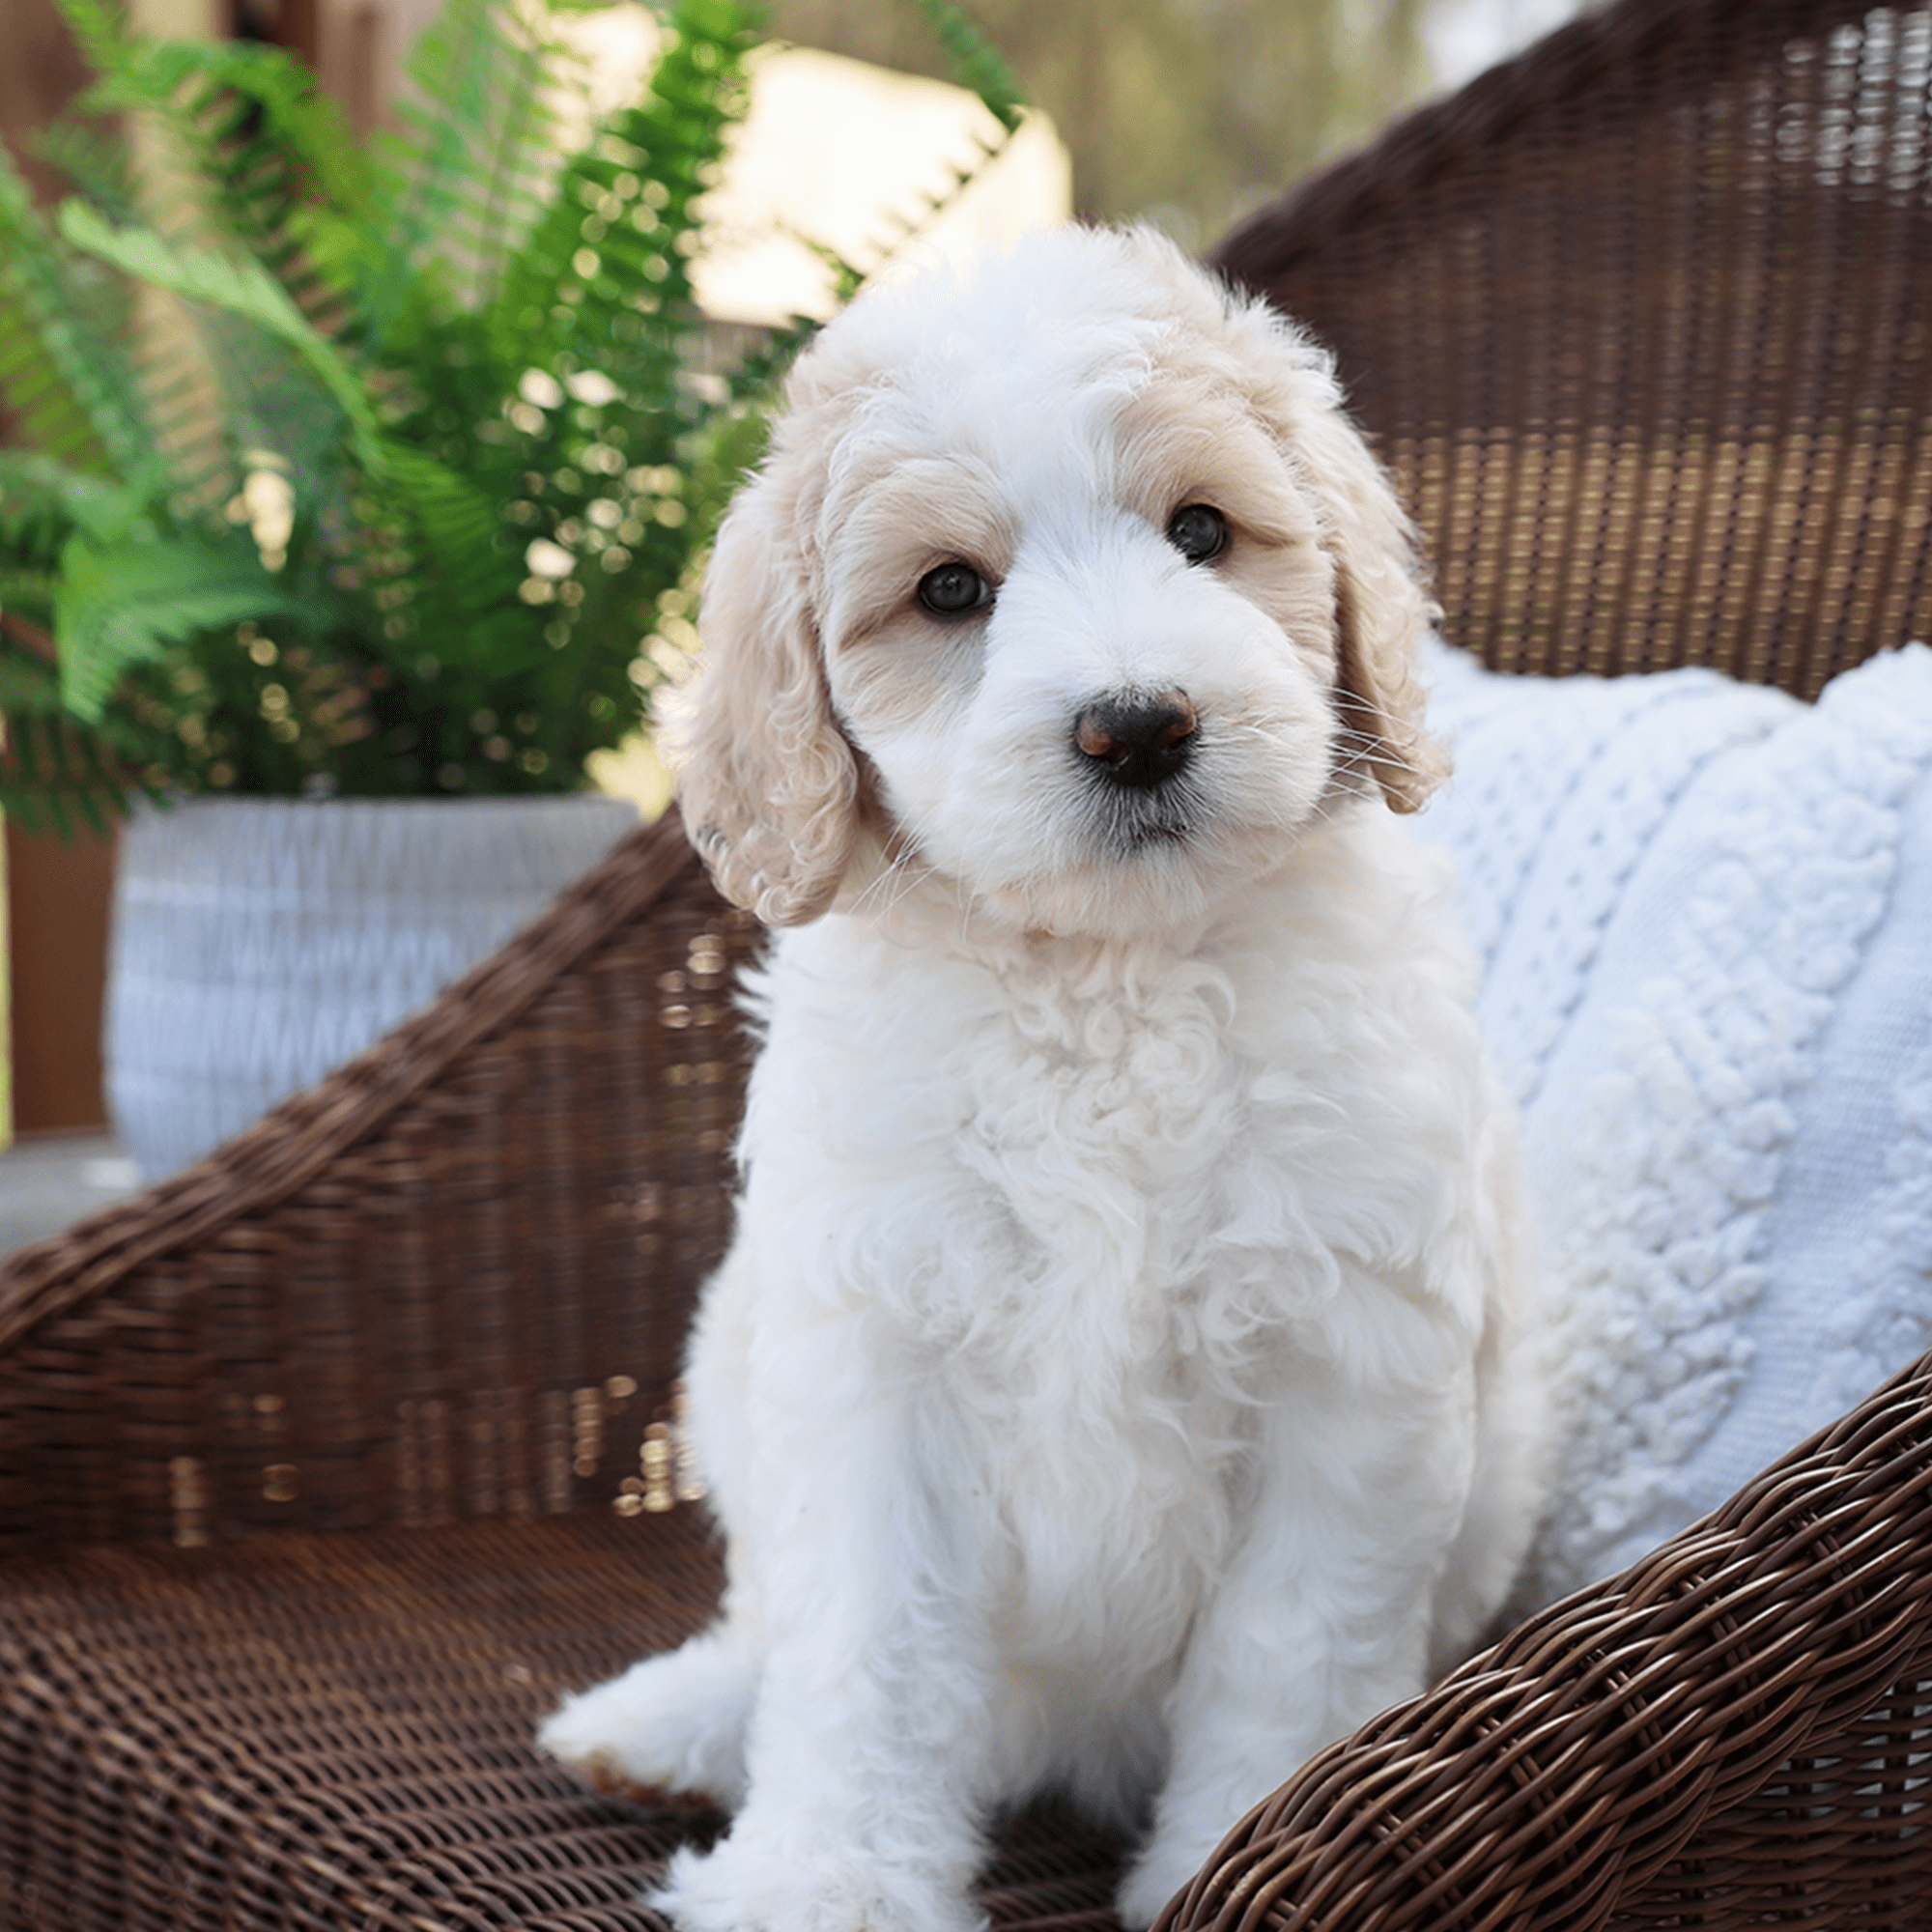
(1108, 1208)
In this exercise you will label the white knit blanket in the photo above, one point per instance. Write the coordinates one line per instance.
(1705, 911)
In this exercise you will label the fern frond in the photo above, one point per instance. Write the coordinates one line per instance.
(280, 116)
(254, 145)
(100, 32)
(518, 166)
(124, 604)
(977, 65)
(241, 286)
(453, 527)
(71, 394)
(272, 152)
(37, 491)
(450, 508)
(605, 280)
(467, 177)
(53, 766)
(976, 62)
(51, 770)
(247, 124)
(95, 160)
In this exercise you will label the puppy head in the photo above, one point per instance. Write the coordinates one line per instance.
(1072, 586)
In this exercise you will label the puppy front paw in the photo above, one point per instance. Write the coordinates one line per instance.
(1163, 1868)
(742, 1886)
(671, 1726)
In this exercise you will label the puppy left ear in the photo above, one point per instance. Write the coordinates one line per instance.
(1381, 614)
(1381, 610)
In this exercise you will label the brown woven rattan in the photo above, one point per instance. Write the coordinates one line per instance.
(1641, 320)
(325, 1466)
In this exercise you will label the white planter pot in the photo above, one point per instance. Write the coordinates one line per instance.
(258, 943)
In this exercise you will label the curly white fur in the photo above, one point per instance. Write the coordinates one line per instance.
(1118, 1382)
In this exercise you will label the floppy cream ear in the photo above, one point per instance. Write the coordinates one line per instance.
(766, 781)
(1381, 616)
(1382, 612)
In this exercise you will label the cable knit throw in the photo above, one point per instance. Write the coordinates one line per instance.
(1705, 912)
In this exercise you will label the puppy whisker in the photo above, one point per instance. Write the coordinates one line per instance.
(903, 873)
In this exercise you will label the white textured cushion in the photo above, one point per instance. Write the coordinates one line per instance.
(1705, 911)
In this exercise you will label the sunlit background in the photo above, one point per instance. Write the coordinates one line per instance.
(1188, 112)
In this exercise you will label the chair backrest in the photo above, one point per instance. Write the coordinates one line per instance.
(1642, 321)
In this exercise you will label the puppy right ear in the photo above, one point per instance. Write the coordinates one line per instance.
(767, 782)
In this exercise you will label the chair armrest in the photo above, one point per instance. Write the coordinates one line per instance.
(1627, 1740)
(450, 1280)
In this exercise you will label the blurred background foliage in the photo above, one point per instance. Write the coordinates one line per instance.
(373, 468)
(1190, 111)
(346, 516)
(351, 467)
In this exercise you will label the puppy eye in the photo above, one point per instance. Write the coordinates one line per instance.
(954, 589)
(1198, 532)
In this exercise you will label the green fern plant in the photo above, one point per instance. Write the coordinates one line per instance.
(371, 470)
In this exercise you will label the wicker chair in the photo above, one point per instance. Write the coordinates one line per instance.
(326, 1464)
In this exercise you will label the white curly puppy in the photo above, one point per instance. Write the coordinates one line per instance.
(1118, 1379)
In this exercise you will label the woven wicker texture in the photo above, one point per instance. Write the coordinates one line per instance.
(304, 1731)
(451, 1281)
(326, 1464)
(1730, 1733)
(1641, 320)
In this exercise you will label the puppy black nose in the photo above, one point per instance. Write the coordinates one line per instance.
(1138, 742)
